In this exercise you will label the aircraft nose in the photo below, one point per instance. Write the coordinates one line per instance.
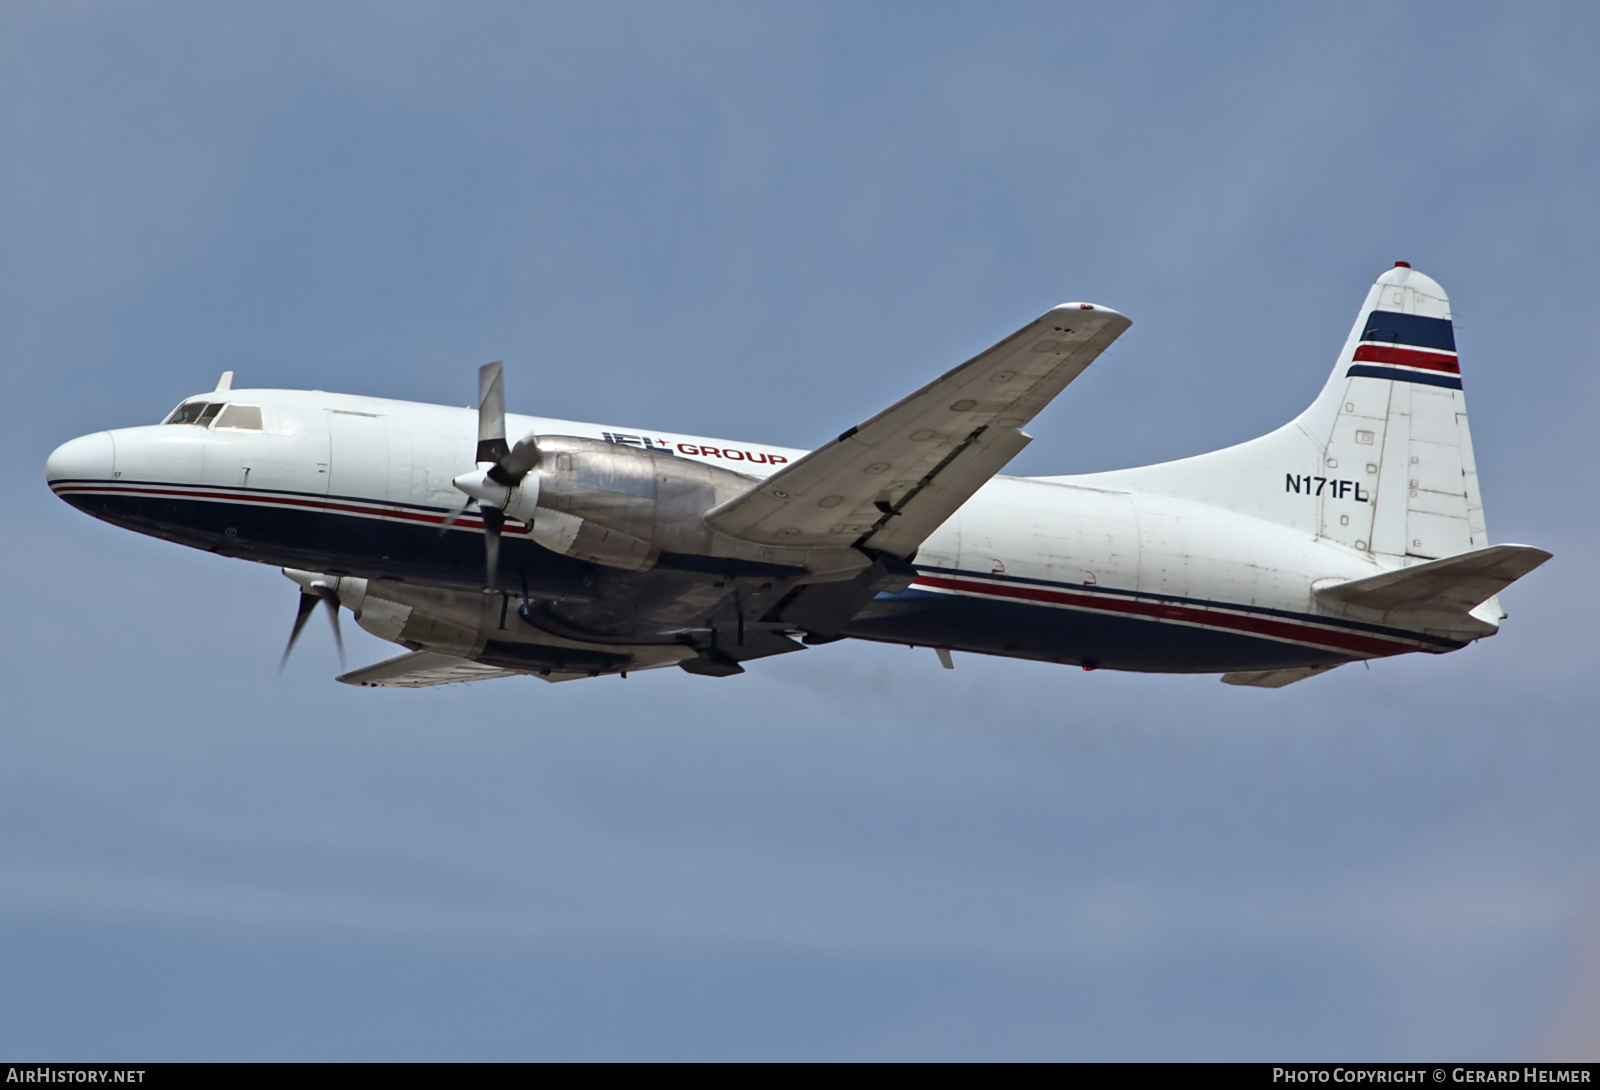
(86, 458)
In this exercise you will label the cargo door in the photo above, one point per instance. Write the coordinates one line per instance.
(358, 455)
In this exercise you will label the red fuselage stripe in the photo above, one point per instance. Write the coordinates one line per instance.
(1167, 611)
(1162, 611)
(371, 510)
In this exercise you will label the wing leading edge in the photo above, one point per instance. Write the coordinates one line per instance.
(888, 483)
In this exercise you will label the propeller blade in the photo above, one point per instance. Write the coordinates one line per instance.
(308, 605)
(511, 468)
(456, 515)
(491, 413)
(507, 467)
(494, 520)
(330, 598)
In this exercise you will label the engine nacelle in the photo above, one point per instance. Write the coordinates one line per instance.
(478, 626)
(623, 507)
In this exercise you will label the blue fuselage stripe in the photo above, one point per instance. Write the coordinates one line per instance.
(342, 535)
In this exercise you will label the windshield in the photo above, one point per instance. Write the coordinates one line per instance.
(232, 417)
(187, 413)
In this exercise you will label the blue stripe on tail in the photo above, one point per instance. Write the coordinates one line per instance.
(1423, 378)
(1392, 327)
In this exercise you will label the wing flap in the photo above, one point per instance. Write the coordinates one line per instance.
(907, 525)
(956, 432)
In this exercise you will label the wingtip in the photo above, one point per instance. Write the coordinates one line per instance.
(1532, 552)
(1096, 308)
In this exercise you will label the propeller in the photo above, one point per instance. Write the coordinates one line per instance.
(501, 470)
(310, 595)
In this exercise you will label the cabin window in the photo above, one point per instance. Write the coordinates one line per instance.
(240, 418)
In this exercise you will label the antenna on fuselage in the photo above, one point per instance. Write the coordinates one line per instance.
(225, 383)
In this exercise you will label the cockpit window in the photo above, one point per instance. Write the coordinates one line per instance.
(240, 418)
(225, 415)
(187, 413)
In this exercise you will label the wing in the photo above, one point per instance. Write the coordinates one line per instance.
(1274, 679)
(888, 483)
(419, 669)
(422, 668)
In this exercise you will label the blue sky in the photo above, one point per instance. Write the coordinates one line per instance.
(767, 222)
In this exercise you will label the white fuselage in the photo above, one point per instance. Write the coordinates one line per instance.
(1048, 553)
(1354, 531)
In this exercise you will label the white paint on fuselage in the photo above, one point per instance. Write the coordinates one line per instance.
(1064, 530)
(1376, 474)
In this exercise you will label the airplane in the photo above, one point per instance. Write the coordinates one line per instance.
(490, 544)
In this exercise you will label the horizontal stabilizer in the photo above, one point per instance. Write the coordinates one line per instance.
(1456, 584)
(1274, 679)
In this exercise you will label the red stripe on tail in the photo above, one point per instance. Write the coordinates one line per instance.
(1407, 357)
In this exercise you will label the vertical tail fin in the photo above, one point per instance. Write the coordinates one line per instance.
(1393, 416)
(1380, 462)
